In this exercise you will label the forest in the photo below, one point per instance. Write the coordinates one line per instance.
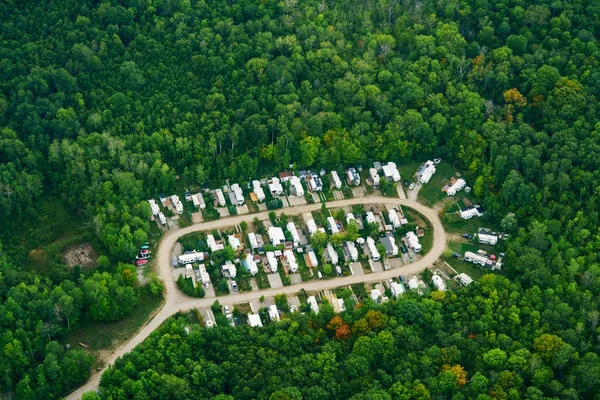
(104, 104)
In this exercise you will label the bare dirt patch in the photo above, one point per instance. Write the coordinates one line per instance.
(82, 254)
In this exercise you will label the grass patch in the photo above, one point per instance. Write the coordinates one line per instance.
(359, 290)
(431, 193)
(100, 336)
(454, 224)
(407, 170)
(461, 266)
(262, 280)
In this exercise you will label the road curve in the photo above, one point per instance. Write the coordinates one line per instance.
(176, 301)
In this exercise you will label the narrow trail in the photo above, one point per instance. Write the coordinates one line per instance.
(175, 301)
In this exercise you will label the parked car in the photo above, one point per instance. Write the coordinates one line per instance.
(402, 279)
(467, 236)
(145, 251)
(141, 262)
(412, 186)
(455, 254)
(234, 286)
(142, 256)
(403, 249)
(406, 182)
(226, 309)
(386, 267)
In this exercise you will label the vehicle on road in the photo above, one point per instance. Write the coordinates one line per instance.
(412, 186)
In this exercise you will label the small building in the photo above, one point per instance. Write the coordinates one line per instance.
(190, 257)
(250, 264)
(312, 301)
(373, 249)
(220, 197)
(315, 184)
(475, 258)
(163, 199)
(296, 188)
(352, 177)
(291, 227)
(275, 187)
(389, 243)
(370, 218)
(396, 288)
(285, 176)
(464, 279)
(311, 225)
(391, 173)
(426, 171)
(376, 295)
(374, 176)
(352, 251)
(350, 217)
(234, 242)
(204, 277)
(212, 243)
(254, 321)
(154, 207)
(486, 236)
(439, 283)
(394, 220)
(333, 255)
(272, 261)
(258, 191)
(413, 242)
(252, 240)
(332, 225)
(312, 261)
(239, 194)
(162, 218)
(336, 180)
(413, 284)
(456, 187)
(276, 235)
(472, 211)
(198, 200)
(177, 204)
(273, 313)
(229, 269)
(291, 261)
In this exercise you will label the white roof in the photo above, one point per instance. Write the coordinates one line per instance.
(273, 313)
(478, 258)
(426, 171)
(373, 248)
(439, 283)
(251, 265)
(465, 279)
(254, 320)
(252, 240)
(190, 257)
(162, 218)
(291, 227)
(333, 256)
(374, 176)
(210, 240)
(336, 179)
(350, 217)
(313, 258)
(239, 194)
(220, 197)
(390, 170)
(371, 218)
(204, 275)
(342, 305)
(311, 226)
(312, 301)
(332, 225)
(413, 241)
(233, 241)
(457, 187)
(275, 186)
(276, 235)
(154, 207)
(291, 259)
(352, 250)
(413, 283)
(375, 294)
(230, 268)
(396, 288)
(393, 216)
(297, 186)
(272, 261)
(258, 190)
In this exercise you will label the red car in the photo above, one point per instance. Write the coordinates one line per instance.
(141, 262)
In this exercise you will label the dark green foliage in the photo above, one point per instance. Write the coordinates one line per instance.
(187, 286)
(274, 203)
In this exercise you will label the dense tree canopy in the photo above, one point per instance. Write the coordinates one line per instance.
(105, 103)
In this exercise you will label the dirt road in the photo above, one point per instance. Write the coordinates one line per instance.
(175, 301)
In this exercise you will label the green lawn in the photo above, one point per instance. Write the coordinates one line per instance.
(431, 193)
(100, 336)
(474, 271)
(454, 224)
(407, 170)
